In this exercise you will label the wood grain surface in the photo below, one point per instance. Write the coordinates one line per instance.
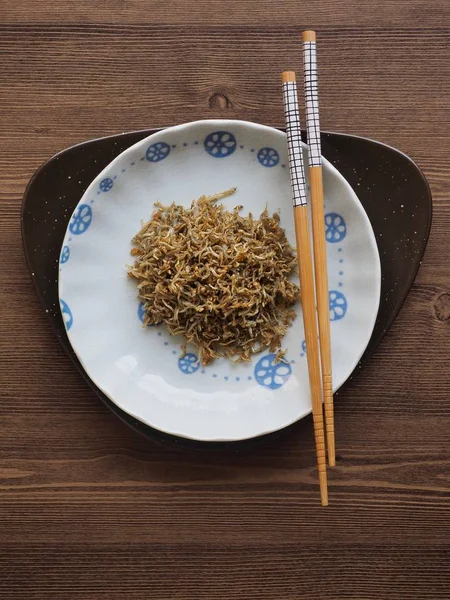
(89, 509)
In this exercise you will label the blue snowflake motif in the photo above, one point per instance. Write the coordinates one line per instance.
(65, 255)
(268, 157)
(189, 363)
(157, 152)
(66, 314)
(81, 219)
(270, 374)
(304, 346)
(141, 312)
(335, 228)
(338, 305)
(220, 144)
(106, 184)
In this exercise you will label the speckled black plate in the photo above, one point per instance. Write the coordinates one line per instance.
(392, 189)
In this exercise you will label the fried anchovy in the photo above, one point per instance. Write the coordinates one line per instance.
(220, 280)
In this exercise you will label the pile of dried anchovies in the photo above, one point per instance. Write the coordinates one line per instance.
(220, 280)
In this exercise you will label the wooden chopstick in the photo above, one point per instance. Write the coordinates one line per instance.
(318, 228)
(297, 174)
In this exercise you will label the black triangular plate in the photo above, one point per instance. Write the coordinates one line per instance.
(392, 189)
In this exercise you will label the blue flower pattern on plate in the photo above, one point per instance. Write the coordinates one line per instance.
(67, 315)
(65, 254)
(220, 144)
(81, 219)
(338, 305)
(106, 184)
(271, 374)
(141, 315)
(189, 363)
(335, 228)
(157, 152)
(268, 157)
(141, 312)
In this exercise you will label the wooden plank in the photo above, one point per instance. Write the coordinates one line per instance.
(406, 14)
(110, 572)
(89, 509)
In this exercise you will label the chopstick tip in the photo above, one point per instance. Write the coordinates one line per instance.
(309, 36)
(323, 488)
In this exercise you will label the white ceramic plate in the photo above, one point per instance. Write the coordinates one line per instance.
(139, 368)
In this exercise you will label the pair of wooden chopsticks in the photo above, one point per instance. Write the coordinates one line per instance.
(313, 282)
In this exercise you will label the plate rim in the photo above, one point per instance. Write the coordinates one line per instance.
(257, 127)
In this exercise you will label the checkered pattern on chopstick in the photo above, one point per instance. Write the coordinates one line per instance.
(297, 174)
(318, 227)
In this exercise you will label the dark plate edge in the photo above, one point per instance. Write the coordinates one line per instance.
(395, 314)
(187, 444)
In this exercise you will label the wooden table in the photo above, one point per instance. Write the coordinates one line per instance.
(89, 509)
